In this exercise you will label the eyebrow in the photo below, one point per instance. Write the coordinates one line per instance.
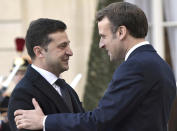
(65, 42)
(102, 35)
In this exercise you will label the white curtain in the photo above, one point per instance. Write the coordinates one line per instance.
(170, 11)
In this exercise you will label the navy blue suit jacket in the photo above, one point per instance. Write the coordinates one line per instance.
(33, 85)
(138, 98)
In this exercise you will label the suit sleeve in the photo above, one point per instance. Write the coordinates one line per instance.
(126, 90)
(18, 100)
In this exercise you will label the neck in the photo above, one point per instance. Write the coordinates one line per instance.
(38, 64)
(132, 42)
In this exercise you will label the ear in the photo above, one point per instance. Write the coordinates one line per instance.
(38, 51)
(122, 32)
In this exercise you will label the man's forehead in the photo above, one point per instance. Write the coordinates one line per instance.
(104, 25)
(59, 35)
(104, 21)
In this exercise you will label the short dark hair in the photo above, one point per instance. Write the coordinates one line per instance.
(38, 31)
(129, 15)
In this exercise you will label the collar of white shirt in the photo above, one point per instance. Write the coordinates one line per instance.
(134, 47)
(50, 77)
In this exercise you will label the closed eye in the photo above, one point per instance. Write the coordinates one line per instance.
(102, 36)
(63, 45)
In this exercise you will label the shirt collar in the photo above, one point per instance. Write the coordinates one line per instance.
(50, 77)
(134, 47)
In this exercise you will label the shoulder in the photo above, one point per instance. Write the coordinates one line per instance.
(147, 64)
(128, 67)
(23, 88)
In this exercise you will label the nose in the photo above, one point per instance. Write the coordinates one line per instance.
(101, 44)
(69, 52)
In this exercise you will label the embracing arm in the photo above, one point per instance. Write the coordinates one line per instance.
(125, 92)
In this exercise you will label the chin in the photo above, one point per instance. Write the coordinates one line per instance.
(66, 68)
(114, 59)
(111, 58)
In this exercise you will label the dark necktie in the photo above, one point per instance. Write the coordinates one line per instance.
(65, 93)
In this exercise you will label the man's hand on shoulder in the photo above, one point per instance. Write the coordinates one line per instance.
(30, 119)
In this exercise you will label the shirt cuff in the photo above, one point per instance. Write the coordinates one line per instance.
(44, 123)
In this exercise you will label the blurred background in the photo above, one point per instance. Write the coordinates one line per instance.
(88, 60)
(15, 16)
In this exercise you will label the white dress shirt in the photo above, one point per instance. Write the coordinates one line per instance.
(134, 47)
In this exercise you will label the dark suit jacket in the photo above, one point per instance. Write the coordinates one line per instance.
(33, 85)
(138, 98)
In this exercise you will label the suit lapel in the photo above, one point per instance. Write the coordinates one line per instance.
(74, 99)
(48, 90)
(75, 103)
(52, 94)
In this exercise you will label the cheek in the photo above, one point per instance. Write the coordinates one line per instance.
(56, 54)
(111, 44)
(107, 43)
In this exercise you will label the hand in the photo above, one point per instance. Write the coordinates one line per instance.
(30, 119)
